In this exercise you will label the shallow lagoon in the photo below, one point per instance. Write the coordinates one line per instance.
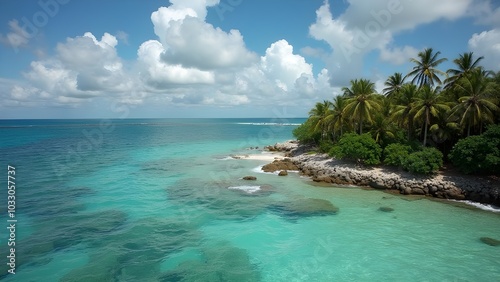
(152, 204)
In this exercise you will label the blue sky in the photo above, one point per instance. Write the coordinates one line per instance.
(220, 58)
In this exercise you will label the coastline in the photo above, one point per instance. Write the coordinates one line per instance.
(322, 168)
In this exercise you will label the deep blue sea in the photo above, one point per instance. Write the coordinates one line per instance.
(161, 200)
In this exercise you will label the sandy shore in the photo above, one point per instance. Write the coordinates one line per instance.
(265, 156)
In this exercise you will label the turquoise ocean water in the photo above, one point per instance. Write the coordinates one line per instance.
(159, 200)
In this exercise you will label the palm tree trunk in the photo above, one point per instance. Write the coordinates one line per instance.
(361, 127)
(426, 125)
(410, 128)
(468, 130)
(425, 134)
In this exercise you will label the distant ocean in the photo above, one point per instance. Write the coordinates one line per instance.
(160, 200)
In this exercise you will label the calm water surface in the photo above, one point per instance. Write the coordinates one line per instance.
(159, 200)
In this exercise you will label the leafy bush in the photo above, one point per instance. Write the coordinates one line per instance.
(305, 133)
(493, 132)
(325, 146)
(395, 154)
(427, 161)
(476, 154)
(357, 147)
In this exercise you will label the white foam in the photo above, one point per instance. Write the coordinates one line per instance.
(247, 189)
(485, 207)
(225, 158)
(264, 156)
(259, 170)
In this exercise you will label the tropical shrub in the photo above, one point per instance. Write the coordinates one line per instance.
(426, 161)
(357, 147)
(395, 154)
(325, 146)
(478, 154)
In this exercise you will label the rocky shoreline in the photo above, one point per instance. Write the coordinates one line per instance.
(322, 168)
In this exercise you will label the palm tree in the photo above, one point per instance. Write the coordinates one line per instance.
(393, 85)
(318, 115)
(337, 119)
(403, 110)
(495, 85)
(475, 105)
(444, 132)
(465, 64)
(382, 127)
(385, 103)
(427, 104)
(362, 101)
(425, 72)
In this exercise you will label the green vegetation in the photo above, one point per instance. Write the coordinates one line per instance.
(479, 153)
(447, 113)
(306, 132)
(396, 154)
(427, 161)
(361, 148)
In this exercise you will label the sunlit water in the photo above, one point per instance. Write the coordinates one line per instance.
(159, 200)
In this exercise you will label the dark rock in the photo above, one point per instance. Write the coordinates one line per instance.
(433, 189)
(283, 173)
(249, 178)
(455, 194)
(417, 191)
(490, 241)
(378, 184)
(271, 148)
(386, 209)
(328, 179)
(426, 190)
(285, 164)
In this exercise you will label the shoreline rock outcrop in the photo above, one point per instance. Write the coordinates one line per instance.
(322, 168)
(285, 164)
(283, 173)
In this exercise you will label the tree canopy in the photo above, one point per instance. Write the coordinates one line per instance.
(438, 109)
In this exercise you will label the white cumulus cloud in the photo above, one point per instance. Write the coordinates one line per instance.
(487, 44)
(190, 41)
(160, 74)
(191, 62)
(194, 43)
(370, 25)
(284, 67)
(83, 68)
